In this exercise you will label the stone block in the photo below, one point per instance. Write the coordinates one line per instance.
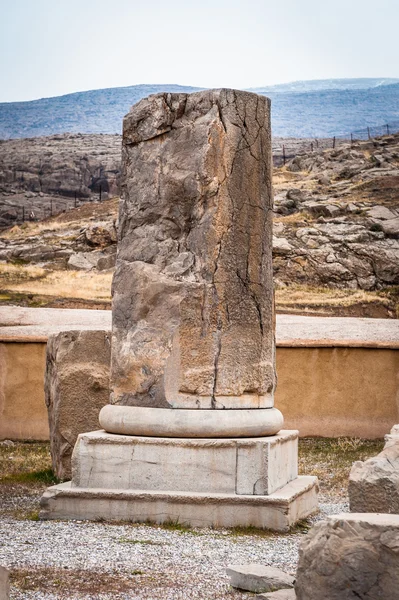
(374, 483)
(76, 388)
(259, 578)
(278, 511)
(350, 556)
(4, 584)
(245, 466)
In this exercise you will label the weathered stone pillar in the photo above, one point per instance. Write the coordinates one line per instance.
(193, 315)
(193, 331)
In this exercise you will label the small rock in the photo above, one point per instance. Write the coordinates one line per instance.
(281, 246)
(391, 227)
(7, 443)
(279, 595)
(258, 578)
(324, 179)
(295, 194)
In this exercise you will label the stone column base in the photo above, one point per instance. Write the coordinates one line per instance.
(278, 511)
(198, 482)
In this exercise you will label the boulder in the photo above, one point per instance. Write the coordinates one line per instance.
(4, 584)
(350, 556)
(281, 246)
(391, 227)
(374, 483)
(380, 212)
(76, 388)
(259, 578)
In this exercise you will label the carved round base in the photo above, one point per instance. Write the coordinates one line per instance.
(183, 423)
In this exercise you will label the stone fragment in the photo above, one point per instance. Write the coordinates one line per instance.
(281, 246)
(82, 261)
(4, 584)
(288, 594)
(76, 388)
(350, 556)
(380, 212)
(193, 289)
(374, 483)
(258, 578)
(393, 436)
(391, 227)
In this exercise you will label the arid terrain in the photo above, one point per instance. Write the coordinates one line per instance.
(336, 234)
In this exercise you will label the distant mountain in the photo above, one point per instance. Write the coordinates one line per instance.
(321, 108)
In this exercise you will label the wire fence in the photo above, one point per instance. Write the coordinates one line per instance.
(285, 150)
(37, 208)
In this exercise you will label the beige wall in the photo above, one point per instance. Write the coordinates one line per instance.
(334, 392)
(23, 414)
(321, 391)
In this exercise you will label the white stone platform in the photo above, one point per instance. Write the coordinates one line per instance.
(254, 466)
(198, 482)
(278, 511)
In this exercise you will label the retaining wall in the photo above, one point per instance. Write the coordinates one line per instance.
(327, 388)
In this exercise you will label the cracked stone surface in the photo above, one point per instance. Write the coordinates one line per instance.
(193, 314)
(374, 483)
(348, 557)
(76, 388)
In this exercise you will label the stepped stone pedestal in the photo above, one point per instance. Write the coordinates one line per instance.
(191, 433)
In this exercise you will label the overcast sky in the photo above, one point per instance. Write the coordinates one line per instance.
(54, 47)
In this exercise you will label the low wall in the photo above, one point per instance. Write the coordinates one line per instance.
(332, 392)
(328, 391)
(23, 413)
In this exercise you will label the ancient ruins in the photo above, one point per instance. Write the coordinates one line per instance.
(191, 433)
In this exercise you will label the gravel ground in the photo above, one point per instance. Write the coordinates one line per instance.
(131, 561)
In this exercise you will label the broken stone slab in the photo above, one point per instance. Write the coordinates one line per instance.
(288, 594)
(381, 213)
(76, 388)
(258, 578)
(4, 584)
(374, 483)
(350, 556)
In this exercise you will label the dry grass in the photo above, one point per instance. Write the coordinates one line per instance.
(13, 273)
(24, 461)
(29, 279)
(297, 295)
(331, 461)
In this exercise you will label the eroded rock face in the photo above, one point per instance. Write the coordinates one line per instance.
(76, 388)
(192, 293)
(350, 556)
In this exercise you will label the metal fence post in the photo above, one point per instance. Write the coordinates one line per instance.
(283, 154)
(368, 132)
(334, 141)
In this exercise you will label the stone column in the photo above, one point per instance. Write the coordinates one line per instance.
(193, 331)
(193, 308)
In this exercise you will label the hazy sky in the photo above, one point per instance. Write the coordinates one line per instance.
(53, 47)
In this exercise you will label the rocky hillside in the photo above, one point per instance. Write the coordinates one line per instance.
(337, 217)
(336, 238)
(43, 176)
(300, 109)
